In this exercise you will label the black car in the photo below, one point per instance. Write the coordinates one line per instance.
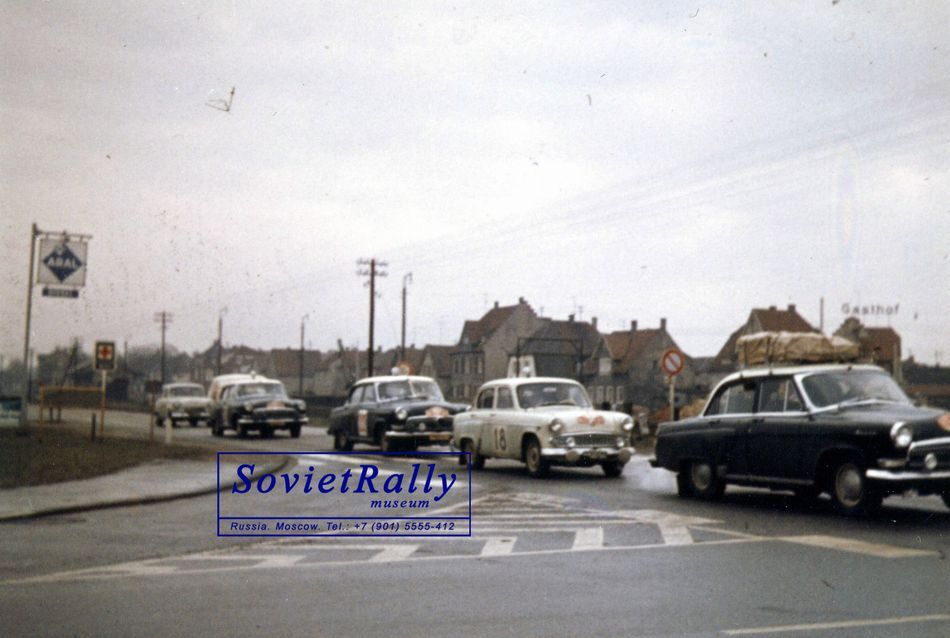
(257, 404)
(848, 430)
(393, 412)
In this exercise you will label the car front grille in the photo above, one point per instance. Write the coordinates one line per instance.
(589, 439)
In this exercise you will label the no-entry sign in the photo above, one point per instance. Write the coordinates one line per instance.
(672, 362)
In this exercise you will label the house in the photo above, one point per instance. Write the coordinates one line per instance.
(485, 345)
(556, 349)
(628, 370)
(760, 319)
(437, 363)
(929, 385)
(878, 345)
(295, 368)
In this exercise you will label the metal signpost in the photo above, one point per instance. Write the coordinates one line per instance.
(105, 361)
(672, 362)
(62, 265)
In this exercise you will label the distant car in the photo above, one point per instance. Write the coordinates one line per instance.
(848, 430)
(543, 422)
(258, 404)
(181, 402)
(395, 413)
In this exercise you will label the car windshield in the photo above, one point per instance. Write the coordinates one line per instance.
(409, 389)
(251, 389)
(850, 387)
(186, 391)
(535, 395)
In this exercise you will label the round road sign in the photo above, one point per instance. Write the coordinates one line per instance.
(672, 362)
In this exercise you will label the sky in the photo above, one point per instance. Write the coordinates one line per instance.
(618, 160)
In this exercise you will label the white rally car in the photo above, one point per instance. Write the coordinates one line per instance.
(542, 422)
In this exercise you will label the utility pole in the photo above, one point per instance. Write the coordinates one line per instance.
(302, 321)
(406, 279)
(221, 313)
(24, 408)
(164, 318)
(372, 273)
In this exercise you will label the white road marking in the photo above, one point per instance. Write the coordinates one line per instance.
(498, 545)
(857, 547)
(673, 527)
(393, 553)
(588, 539)
(844, 624)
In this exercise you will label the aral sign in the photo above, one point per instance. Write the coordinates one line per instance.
(62, 262)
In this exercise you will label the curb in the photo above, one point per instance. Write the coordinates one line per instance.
(284, 462)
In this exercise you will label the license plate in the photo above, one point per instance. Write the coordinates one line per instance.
(277, 422)
(597, 454)
(445, 436)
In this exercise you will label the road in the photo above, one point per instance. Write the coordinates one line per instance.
(572, 554)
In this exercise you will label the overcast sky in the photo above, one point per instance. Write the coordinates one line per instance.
(624, 160)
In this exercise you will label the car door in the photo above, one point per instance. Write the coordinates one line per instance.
(505, 431)
(485, 418)
(728, 420)
(775, 437)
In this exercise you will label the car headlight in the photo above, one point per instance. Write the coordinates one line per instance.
(901, 434)
(401, 414)
(249, 407)
(621, 441)
(556, 426)
(570, 442)
(627, 425)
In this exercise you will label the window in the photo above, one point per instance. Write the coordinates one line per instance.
(619, 394)
(600, 394)
(610, 394)
(734, 399)
(485, 399)
(480, 365)
(779, 395)
(356, 395)
(504, 401)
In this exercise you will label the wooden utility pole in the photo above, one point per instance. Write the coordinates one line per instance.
(163, 318)
(407, 279)
(372, 273)
(302, 321)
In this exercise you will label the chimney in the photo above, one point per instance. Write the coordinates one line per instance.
(663, 324)
(521, 300)
(633, 326)
(570, 318)
(791, 307)
(772, 308)
(496, 304)
(593, 322)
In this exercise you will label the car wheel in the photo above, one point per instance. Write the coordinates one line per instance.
(295, 431)
(537, 466)
(612, 469)
(703, 481)
(216, 430)
(266, 431)
(242, 430)
(387, 444)
(158, 420)
(341, 442)
(194, 423)
(850, 491)
(478, 461)
(173, 422)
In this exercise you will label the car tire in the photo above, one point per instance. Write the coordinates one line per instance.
(703, 481)
(612, 469)
(850, 491)
(341, 442)
(388, 444)
(173, 422)
(267, 432)
(295, 431)
(193, 423)
(478, 461)
(216, 430)
(159, 422)
(242, 430)
(537, 465)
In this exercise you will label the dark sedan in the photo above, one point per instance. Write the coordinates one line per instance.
(395, 413)
(258, 404)
(848, 430)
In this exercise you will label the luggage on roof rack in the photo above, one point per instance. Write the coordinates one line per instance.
(764, 348)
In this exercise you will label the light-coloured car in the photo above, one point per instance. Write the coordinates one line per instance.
(542, 422)
(182, 402)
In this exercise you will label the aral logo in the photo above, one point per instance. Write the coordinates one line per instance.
(62, 262)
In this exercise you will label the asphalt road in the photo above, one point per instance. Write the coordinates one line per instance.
(573, 554)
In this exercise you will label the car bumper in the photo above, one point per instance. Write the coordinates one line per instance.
(276, 424)
(586, 455)
(423, 438)
(184, 416)
(923, 482)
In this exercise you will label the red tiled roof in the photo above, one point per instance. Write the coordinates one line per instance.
(625, 347)
(476, 331)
